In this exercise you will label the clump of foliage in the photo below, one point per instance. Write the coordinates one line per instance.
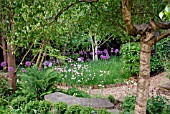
(38, 83)
(73, 109)
(129, 105)
(18, 102)
(60, 107)
(77, 93)
(4, 85)
(111, 98)
(158, 105)
(131, 54)
(103, 111)
(41, 107)
(88, 110)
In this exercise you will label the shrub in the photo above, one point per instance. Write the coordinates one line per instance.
(37, 107)
(38, 83)
(73, 109)
(128, 104)
(17, 102)
(131, 57)
(111, 98)
(60, 107)
(158, 105)
(4, 85)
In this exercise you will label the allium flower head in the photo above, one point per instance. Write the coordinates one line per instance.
(85, 52)
(50, 64)
(105, 51)
(27, 63)
(10, 68)
(81, 59)
(46, 63)
(3, 64)
(88, 59)
(99, 52)
(116, 51)
(24, 71)
(91, 53)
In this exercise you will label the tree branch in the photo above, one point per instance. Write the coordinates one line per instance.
(164, 35)
(126, 11)
(161, 25)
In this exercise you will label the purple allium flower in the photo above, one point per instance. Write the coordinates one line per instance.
(27, 63)
(99, 52)
(24, 71)
(81, 59)
(69, 60)
(10, 69)
(88, 59)
(85, 52)
(91, 53)
(105, 51)
(116, 51)
(73, 53)
(46, 63)
(98, 46)
(3, 64)
(105, 57)
(50, 64)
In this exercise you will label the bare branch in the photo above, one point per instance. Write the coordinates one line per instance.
(161, 25)
(164, 35)
(3, 48)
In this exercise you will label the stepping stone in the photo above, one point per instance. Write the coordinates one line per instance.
(165, 86)
(70, 100)
(120, 99)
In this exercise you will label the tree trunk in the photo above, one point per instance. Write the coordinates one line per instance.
(95, 48)
(11, 63)
(143, 79)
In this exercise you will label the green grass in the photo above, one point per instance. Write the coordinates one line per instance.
(99, 72)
